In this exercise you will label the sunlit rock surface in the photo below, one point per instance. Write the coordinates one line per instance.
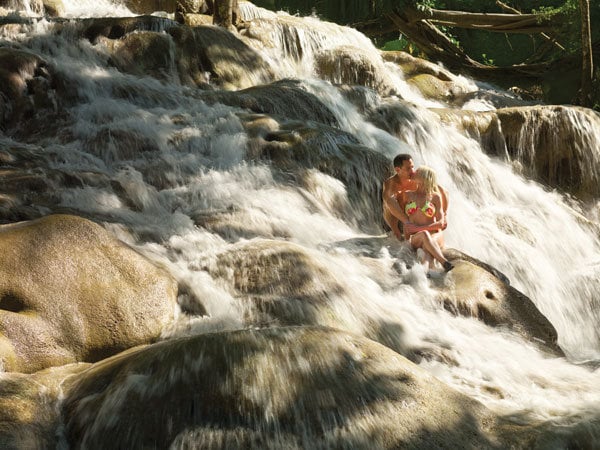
(558, 145)
(433, 81)
(71, 292)
(348, 65)
(471, 289)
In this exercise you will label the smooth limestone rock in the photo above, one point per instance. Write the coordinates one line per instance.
(412, 66)
(433, 88)
(433, 81)
(54, 8)
(29, 407)
(288, 387)
(71, 292)
(196, 20)
(148, 7)
(279, 282)
(354, 66)
(117, 27)
(557, 145)
(298, 387)
(473, 291)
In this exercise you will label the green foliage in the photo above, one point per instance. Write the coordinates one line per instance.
(396, 45)
(425, 5)
(487, 61)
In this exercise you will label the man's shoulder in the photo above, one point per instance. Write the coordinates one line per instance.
(391, 181)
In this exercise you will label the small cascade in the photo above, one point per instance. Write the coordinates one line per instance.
(558, 145)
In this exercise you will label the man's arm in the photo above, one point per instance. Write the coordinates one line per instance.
(390, 201)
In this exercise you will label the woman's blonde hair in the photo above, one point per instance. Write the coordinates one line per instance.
(427, 174)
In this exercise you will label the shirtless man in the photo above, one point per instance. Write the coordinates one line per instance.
(395, 186)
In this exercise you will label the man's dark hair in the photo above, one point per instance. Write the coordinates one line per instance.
(399, 159)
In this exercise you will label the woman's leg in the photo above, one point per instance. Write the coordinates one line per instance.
(424, 240)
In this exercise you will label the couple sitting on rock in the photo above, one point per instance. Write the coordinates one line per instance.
(414, 207)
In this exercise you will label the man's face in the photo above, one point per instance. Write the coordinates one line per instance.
(407, 169)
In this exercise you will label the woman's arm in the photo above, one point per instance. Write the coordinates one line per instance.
(411, 228)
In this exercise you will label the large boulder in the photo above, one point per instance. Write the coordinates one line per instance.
(298, 387)
(71, 292)
(290, 387)
(475, 289)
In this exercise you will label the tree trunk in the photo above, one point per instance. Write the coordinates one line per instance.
(226, 13)
(585, 94)
(501, 23)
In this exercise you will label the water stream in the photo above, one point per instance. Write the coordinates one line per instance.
(197, 151)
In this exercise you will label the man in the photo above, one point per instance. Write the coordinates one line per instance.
(393, 187)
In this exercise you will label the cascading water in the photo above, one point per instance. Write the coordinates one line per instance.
(172, 159)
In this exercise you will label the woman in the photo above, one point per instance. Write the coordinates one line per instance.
(426, 217)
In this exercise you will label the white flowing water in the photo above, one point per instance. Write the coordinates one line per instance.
(529, 233)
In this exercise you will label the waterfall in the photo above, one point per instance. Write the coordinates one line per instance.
(169, 168)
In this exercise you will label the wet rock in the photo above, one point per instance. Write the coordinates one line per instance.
(280, 283)
(71, 292)
(284, 98)
(298, 387)
(27, 86)
(144, 53)
(196, 20)
(54, 8)
(298, 148)
(117, 27)
(436, 89)
(146, 7)
(119, 145)
(354, 66)
(556, 145)
(29, 413)
(472, 289)
(432, 80)
(412, 66)
(209, 54)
